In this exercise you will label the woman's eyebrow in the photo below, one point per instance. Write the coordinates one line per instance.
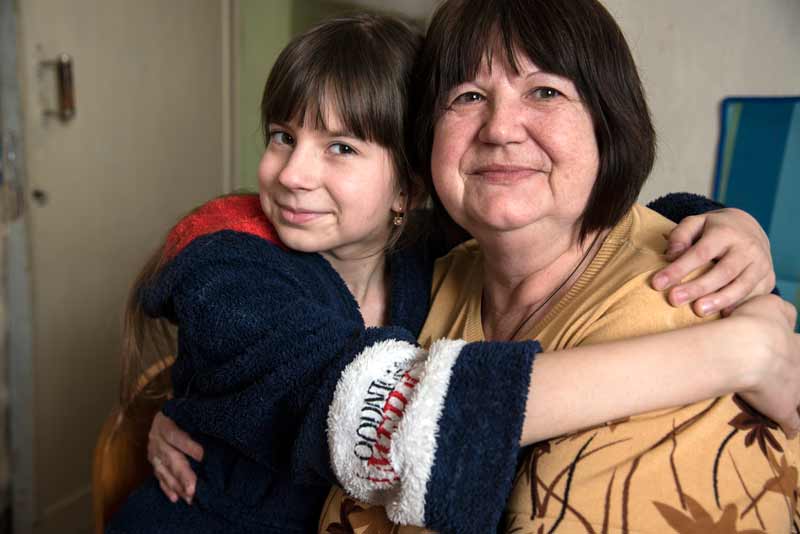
(534, 72)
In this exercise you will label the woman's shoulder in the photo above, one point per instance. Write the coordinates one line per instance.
(466, 252)
(644, 232)
(626, 303)
(634, 247)
(457, 264)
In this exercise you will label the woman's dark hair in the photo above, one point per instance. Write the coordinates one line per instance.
(576, 39)
(360, 67)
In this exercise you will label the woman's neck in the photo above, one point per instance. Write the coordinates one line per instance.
(367, 279)
(523, 279)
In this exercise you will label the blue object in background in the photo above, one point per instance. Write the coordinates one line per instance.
(758, 170)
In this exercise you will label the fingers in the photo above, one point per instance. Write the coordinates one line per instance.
(726, 298)
(169, 485)
(698, 255)
(683, 235)
(791, 422)
(180, 470)
(175, 474)
(165, 446)
(171, 495)
(776, 389)
(721, 275)
(735, 239)
(791, 427)
(780, 314)
(182, 441)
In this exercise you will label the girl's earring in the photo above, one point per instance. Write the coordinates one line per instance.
(398, 218)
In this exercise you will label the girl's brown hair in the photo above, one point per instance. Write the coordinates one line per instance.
(148, 344)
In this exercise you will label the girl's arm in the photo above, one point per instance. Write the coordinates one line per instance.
(754, 353)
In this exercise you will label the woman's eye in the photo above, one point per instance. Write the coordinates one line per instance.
(281, 138)
(467, 98)
(341, 149)
(546, 93)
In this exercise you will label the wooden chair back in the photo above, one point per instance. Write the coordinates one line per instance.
(120, 462)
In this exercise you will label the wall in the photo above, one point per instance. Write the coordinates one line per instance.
(264, 29)
(411, 9)
(691, 58)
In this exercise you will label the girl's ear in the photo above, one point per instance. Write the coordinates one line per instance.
(401, 202)
(413, 197)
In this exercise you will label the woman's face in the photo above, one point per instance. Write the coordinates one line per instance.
(514, 150)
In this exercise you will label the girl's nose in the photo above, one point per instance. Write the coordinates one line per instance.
(298, 171)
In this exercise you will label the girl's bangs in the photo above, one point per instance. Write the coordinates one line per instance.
(330, 91)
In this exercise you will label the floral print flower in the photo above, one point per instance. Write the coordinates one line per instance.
(758, 426)
(699, 521)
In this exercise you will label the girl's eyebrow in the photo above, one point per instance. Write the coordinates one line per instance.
(342, 133)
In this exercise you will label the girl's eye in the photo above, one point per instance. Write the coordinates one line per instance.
(546, 93)
(281, 138)
(342, 149)
(467, 98)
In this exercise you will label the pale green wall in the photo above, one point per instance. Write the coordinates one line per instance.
(265, 26)
(264, 29)
(306, 13)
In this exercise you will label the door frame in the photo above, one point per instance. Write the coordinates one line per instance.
(17, 295)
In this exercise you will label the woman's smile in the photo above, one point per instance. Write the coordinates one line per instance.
(498, 174)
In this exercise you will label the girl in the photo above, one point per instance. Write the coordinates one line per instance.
(275, 295)
(262, 320)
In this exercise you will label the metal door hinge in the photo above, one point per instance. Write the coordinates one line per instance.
(12, 199)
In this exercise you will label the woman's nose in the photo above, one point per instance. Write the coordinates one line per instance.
(502, 124)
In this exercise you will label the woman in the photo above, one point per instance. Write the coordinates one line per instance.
(539, 141)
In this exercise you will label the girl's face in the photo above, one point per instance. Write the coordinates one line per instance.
(328, 191)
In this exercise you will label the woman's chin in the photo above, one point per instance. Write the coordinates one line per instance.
(492, 222)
